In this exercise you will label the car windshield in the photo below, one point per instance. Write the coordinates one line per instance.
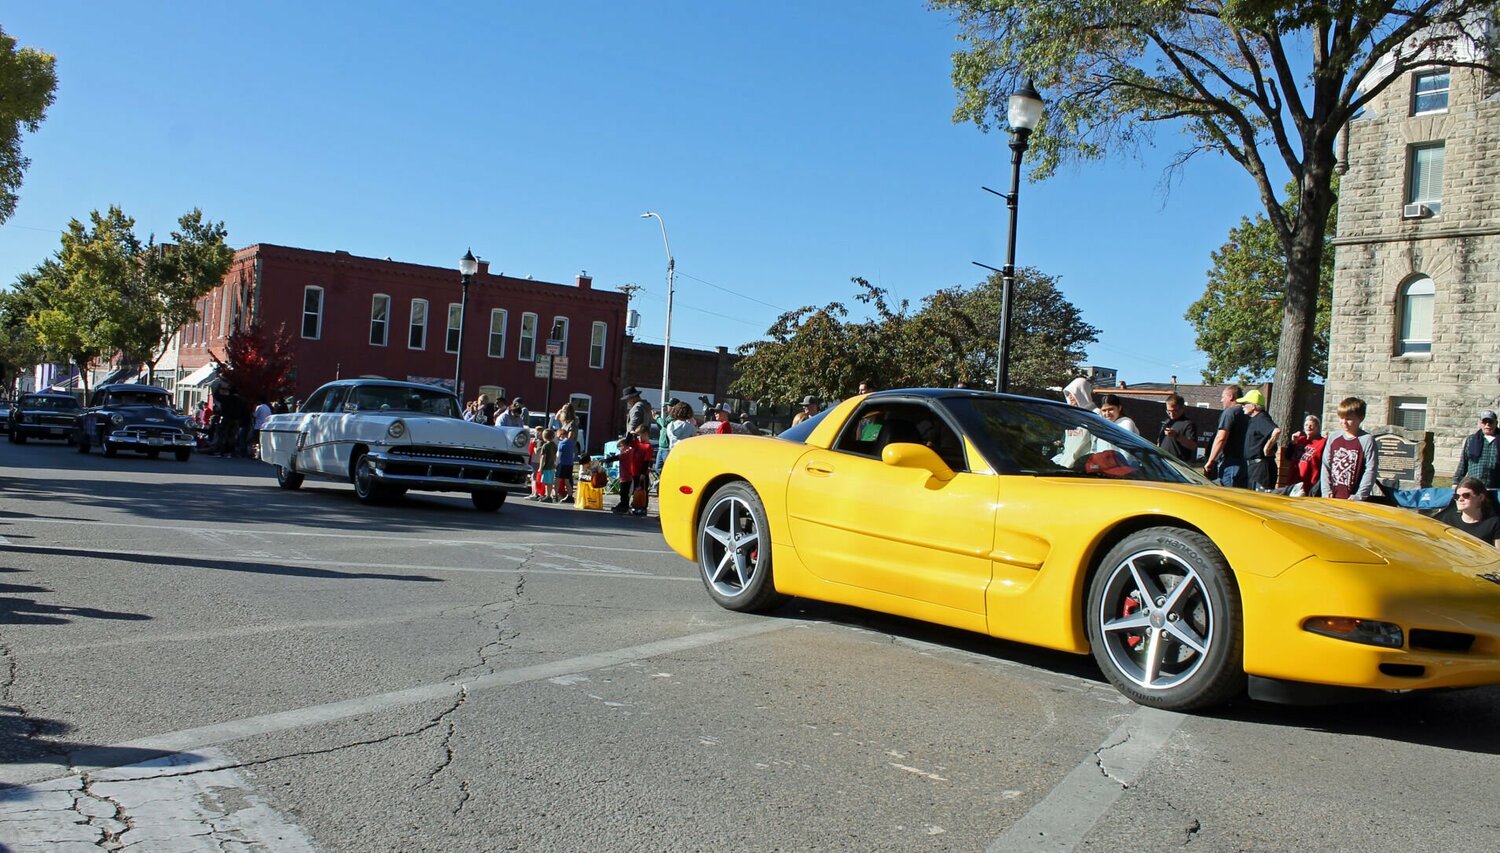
(1046, 439)
(800, 432)
(137, 398)
(402, 398)
(49, 404)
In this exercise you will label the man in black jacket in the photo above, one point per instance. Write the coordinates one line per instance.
(1481, 454)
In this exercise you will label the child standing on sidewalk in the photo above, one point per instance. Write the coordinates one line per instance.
(567, 452)
(547, 465)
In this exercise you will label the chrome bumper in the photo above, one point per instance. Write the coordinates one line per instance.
(435, 474)
(126, 439)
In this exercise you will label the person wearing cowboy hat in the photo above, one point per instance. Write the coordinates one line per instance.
(639, 414)
(810, 406)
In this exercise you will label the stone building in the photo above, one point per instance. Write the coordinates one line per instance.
(1416, 293)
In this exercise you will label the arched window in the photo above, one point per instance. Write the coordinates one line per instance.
(1416, 316)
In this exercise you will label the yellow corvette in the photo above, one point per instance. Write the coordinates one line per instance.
(1043, 523)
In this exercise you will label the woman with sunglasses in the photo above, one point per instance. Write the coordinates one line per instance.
(1470, 512)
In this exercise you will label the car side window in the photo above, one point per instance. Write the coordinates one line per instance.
(877, 424)
(316, 401)
(334, 402)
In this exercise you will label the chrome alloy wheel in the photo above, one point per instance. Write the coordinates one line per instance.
(1156, 618)
(729, 546)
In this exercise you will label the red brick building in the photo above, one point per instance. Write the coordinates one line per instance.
(349, 316)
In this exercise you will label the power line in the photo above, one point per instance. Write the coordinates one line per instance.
(731, 292)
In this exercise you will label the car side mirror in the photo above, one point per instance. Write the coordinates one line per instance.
(919, 456)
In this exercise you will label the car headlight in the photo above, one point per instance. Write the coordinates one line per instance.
(396, 429)
(118, 420)
(1366, 631)
(520, 441)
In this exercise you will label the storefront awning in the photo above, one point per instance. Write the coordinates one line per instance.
(201, 376)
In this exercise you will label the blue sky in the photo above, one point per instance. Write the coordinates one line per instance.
(789, 147)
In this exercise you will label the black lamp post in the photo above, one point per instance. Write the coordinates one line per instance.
(1023, 113)
(467, 266)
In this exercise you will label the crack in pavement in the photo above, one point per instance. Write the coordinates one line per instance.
(109, 834)
(1104, 769)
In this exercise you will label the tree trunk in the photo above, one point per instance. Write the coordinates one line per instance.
(1303, 267)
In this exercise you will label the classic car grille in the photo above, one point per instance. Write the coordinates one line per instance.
(1441, 641)
(136, 431)
(53, 420)
(457, 454)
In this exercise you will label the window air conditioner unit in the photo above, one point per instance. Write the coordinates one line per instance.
(1416, 211)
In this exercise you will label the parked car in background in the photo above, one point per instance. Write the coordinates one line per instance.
(138, 418)
(43, 415)
(387, 437)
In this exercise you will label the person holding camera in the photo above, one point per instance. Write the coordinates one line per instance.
(1177, 434)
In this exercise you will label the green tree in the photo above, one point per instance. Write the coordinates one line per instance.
(176, 275)
(19, 348)
(1265, 83)
(1238, 318)
(952, 337)
(27, 82)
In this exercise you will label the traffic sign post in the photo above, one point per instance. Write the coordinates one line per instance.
(544, 367)
(560, 367)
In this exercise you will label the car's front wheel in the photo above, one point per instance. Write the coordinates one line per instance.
(83, 441)
(366, 486)
(734, 550)
(1164, 621)
(487, 501)
(183, 454)
(17, 438)
(109, 449)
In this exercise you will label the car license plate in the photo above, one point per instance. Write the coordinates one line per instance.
(56, 430)
(156, 442)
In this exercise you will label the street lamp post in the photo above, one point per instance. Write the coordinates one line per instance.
(467, 266)
(1023, 112)
(666, 349)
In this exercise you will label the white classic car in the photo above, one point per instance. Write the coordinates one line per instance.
(387, 437)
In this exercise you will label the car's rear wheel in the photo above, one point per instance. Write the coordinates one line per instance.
(287, 478)
(734, 550)
(1164, 621)
(487, 501)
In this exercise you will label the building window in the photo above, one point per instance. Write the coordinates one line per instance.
(596, 345)
(1426, 185)
(560, 334)
(526, 351)
(497, 332)
(1429, 92)
(380, 320)
(416, 337)
(1416, 316)
(1409, 413)
(312, 312)
(455, 321)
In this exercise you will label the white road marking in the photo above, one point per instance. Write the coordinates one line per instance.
(99, 757)
(154, 805)
(261, 531)
(250, 630)
(1064, 817)
(550, 569)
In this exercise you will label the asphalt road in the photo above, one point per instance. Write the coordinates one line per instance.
(194, 659)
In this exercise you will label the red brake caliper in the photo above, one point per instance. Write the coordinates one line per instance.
(1131, 606)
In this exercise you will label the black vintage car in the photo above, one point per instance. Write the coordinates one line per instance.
(43, 415)
(135, 417)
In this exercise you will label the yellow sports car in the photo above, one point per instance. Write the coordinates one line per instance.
(1043, 523)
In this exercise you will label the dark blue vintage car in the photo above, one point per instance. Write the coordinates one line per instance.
(135, 417)
(43, 415)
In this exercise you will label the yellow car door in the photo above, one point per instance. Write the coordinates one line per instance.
(896, 530)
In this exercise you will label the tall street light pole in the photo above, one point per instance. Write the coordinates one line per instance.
(467, 266)
(1023, 112)
(666, 349)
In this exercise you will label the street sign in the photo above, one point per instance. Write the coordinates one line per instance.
(554, 346)
(560, 367)
(543, 366)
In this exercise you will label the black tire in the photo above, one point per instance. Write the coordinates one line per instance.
(366, 488)
(182, 454)
(153, 454)
(1164, 621)
(734, 551)
(287, 478)
(487, 501)
(17, 438)
(83, 442)
(109, 449)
